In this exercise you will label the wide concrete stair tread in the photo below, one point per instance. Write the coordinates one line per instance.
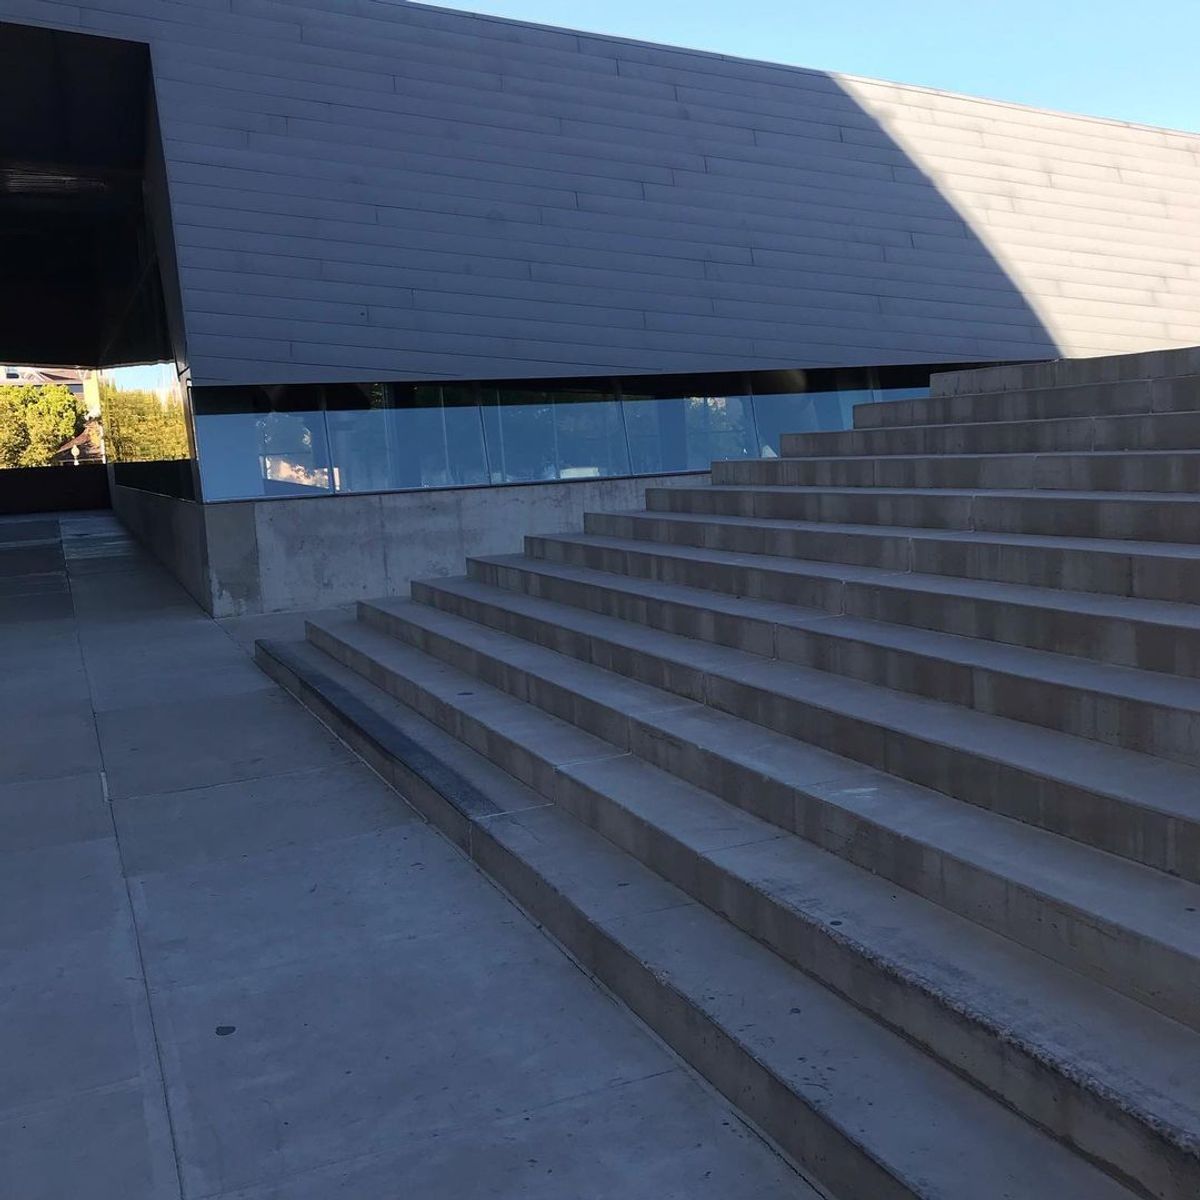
(1117, 1054)
(1157, 612)
(868, 774)
(1049, 496)
(1027, 684)
(1158, 635)
(1108, 471)
(1136, 779)
(1181, 550)
(1143, 516)
(1178, 392)
(1127, 370)
(1170, 431)
(1158, 800)
(1121, 895)
(1115, 566)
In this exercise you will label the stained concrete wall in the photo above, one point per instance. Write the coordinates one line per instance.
(172, 530)
(275, 555)
(373, 189)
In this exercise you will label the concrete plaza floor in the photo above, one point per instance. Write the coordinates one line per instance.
(234, 964)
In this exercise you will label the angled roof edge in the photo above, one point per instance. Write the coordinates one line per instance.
(792, 68)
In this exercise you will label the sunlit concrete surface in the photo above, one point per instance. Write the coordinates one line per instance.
(234, 964)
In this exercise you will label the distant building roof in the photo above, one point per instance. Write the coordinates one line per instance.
(68, 376)
(90, 443)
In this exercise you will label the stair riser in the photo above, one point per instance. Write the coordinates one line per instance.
(1179, 394)
(805, 591)
(707, 1045)
(1143, 727)
(1171, 650)
(1144, 575)
(1132, 832)
(889, 551)
(1117, 517)
(701, 1040)
(1047, 437)
(1053, 1100)
(1147, 971)
(1132, 433)
(1134, 368)
(751, 634)
(1085, 473)
(1056, 1101)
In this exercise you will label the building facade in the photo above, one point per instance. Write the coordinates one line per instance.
(395, 248)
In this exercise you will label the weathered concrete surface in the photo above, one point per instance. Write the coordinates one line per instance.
(234, 964)
(954, 789)
(247, 557)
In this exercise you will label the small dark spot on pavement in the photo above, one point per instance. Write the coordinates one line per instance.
(225, 1030)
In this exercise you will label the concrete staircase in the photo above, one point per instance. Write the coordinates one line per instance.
(868, 776)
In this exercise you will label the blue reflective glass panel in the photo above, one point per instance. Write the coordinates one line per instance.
(908, 393)
(580, 439)
(804, 412)
(244, 456)
(688, 434)
(391, 449)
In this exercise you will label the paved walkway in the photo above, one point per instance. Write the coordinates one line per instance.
(234, 964)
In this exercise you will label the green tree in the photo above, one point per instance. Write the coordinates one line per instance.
(142, 426)
(13, 435)
(35, 420)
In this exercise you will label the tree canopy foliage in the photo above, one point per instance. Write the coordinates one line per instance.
(35, 420)
(142, 426)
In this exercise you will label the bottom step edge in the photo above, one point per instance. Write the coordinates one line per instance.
(811, 1140)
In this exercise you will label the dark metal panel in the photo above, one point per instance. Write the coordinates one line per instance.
(379, 190)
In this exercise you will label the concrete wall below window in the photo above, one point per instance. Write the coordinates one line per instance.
(259, 556)
(172, 530)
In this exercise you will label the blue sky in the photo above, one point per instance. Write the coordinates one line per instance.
(1109, 58)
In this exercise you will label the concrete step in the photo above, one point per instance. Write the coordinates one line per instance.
(1141, 808)
(1151, 635)
(1140, 710)
(856, 1104)
(1175, 394)
(1118, 922)
(1158, 471)
(1137, 516)
(1070, 372)
(1158, 432)
(1147, 570)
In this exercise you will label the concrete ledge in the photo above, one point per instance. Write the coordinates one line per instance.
(276, 555)
(173, 531)
(262, 556)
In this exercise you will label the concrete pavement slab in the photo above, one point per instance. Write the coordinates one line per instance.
(656, 1138)
(107, 1144)
(341, 1055)
(47, 741)
(225, 919)
(230, 821)
(194, 743)
(81, 1031)
(58, 903)
(52, 812)
(327, 999)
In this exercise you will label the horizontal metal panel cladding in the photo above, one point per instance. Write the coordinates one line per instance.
(369, 190)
